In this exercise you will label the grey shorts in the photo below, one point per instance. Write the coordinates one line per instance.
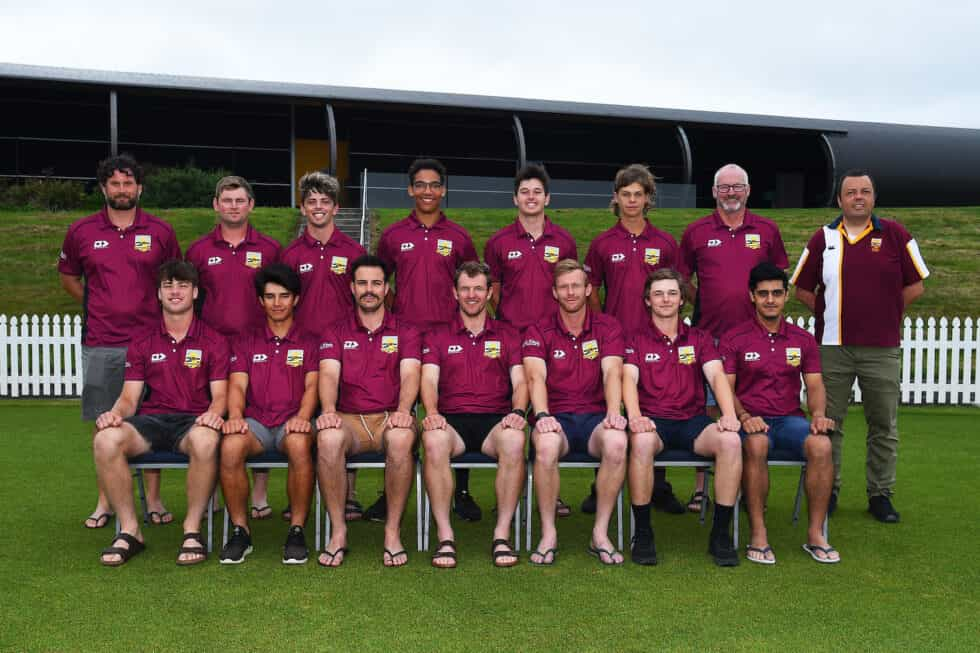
(103, 371)
(269, 438)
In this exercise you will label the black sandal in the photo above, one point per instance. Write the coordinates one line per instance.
(503, 553)
(445, 555)
(200, 550)
(135, 547)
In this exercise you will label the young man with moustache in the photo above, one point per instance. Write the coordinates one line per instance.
(109, 263)
(764, 360)
(182, 363)
(475, 399)
(272, 396)
(370, 364)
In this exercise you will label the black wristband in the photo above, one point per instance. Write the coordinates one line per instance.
(518, 411)
(542, 415)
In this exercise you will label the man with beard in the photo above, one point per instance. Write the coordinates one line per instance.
(109, 263)
(370, 363)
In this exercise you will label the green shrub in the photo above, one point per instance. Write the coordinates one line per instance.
(47, 195)
(185, 187)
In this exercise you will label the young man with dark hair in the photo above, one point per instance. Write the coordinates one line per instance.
(227, 259)
(858, 274)
(271, 400)
(475, 399)
(574, 365)
(183, 365)
(370, 363)
(764, 360)
(667, 364)
(423, 252)
(109, 264)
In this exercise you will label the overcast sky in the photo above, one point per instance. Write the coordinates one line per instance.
(906, 62)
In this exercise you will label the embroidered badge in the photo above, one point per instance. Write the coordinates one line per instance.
(590, 349)
(143, 243)
(491, 349)
(389, 344)
(685, 355)
(651, 256)
(253, 260)
(338, 264)
(793, 356)
(444, 247)
(753, 241)
(294, 357)
(551, 253)
(192, 358)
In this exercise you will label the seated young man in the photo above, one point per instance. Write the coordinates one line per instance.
(475, 398)
(574, 363)
(370, 366)
(183, 364)
(764, 359)
(271, 400)
(667, 363)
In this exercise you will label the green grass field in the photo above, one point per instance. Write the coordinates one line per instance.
(948, 237)
(911, 586)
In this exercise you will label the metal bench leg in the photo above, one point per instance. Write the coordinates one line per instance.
(427, 515)
(735, 520)
(530, 506)
(517, 522)
(619, 518)
(210, 510)
(319, 516)
(799, 495)
(224, 528)
(419, 490)
(138, 473)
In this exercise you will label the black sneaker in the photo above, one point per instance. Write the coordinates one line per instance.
(665, 501)
(238, 546)
(377, 511)
(832, 505)
(723, 552)
(295, 551)
(466, 507)
(643, 551)
(588, 503)
(883, 510)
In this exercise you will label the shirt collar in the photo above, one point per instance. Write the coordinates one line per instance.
(418, 223)
(290, 335)
(748, 220)
(313, 242)
(682, 330)
(387, 323)
(647, 232)
(761, 328)
(457, 326)
(139, 220)
(547, 229)
(248, 240)
(193, 332)
(586, 326)
(875, 222)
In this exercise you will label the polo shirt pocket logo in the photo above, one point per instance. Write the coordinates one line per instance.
(192, 358)
(305, 267)
(752, 356)
(652, 358)
(876, 244)
(294, 357)
(753, 241)
(407, 247)
(157, 358)
(338, 264)
(590, 349)
(444, 247)
(348, 344)
(714, 242)
(686, 355)
(558, 354)
(491, 349)
(651, 256)
(551, 253)
(259, 358)
(617, 258)
(389, 344)
(793, 356)
(513, 254)
(142, 242)
(454, 349)
(99, 244)
(253, 260)
(214, 260)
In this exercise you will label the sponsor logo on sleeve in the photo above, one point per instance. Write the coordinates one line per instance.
(157, 358)
(389, 344)
(551, 253)
(192, 358)
(590, 349)
(338, 264)
(685, 355)
(407, 247)
(652, 357)
(214, 260)
(491, 349)
(233, 358)
(751, 356)
(876, 244)
(305, 267)
(253, 260)
(62, 255)
(558, 354)
(793, 356)
(514, 254)
(617, 258)
(326, 345)
(294, 357)
(454, 349)
(651, 255)
(259, 358)
(530, 342)
(753, 241)
(142, 242)
(444, 247)
(425, 350)
(714, 242)
(99, 244)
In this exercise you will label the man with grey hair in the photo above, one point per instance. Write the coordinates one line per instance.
(720, 250)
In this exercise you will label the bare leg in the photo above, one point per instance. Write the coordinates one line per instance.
(609, 445)
(333, 447)
(440, 445)
(755, 479)
(299, 476)
(819, 481)
(201, 446)
(111, 448)
(235, 448)
(549, 448)
(398, 482)
(507, 446)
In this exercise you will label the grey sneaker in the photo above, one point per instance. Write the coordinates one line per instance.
(295, 551)
(238, 546)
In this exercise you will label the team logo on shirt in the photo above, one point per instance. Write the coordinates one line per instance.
(253, 260)
(685, 355)
(558, 354)
(294, 357)
(793, 356)
(157, 358)
(99, 244)
(305, 267)
(751, 356)
(551, 253)
(338, 264)
(652, 357)
(491, 349)
(389, 344)
(326, 345)
(651, 255)
(348, 344)
(444, 247)
(514, 254)
(617, 258)
(530, 342)
(407, 247)
(590, 349)
(259, 358)
(142, 242)
(714, 242)
(454, 349)
(876, 244)
(753, 241)
(214, 260)
(192, 358)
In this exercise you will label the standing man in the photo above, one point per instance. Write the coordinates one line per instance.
(574, 364)
(621, 259)
(857, 275)
(183, 365)
(322, 256)
(370, 365)
(271, 400)
(109, 263)
(667, 365)
(720, 249)
(423, 251)
(475, 399)
(227, 260)
(764, 360)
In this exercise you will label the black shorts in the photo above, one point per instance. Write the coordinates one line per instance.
(681, 433)
(474, 427)
(163, 432)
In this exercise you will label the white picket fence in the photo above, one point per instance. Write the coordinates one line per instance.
(41, 356)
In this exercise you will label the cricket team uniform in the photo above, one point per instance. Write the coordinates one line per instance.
(324, 272)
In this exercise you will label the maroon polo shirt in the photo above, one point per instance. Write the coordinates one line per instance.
(859, 284)
(227, 274)
(424, 261)
(277, 369)
(671, 381)
(370, 362)
(525, 269)
(722, 258)
(622, 262)
(574, 363)
(474, 370)
(324, 272)
(767, 366)
(120, 271)
(177, 374)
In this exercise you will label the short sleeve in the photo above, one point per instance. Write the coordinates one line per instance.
(593, 263)
(310, 362)
(68, 260)
(384, 250)
(533, 345)
(409, 343)
(777, 251)
(807, 274)
(220, 359)
(239, 361)
(914, 267)
(668, 257)
(136, 361)
(492, 258)
(631, 343)
(612, 340)
(468, 253)
(706, 349)
(430, 349)
(811, 356)
(172, 252)
(686, 257)
(729, 353)
(329, 347)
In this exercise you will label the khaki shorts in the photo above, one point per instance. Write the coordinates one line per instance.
(368, 429)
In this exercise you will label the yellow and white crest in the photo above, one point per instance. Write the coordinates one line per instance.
(686, 355)
(143, 242)
(338, 264)
(491, 349)
(192, 358)
(444, 247)
(651, 255)
(253, 260)
(876, 244)
(389, 344)
(753, 241)
(551, 253)
(294, 357)
(590, 349)
(793, 356)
